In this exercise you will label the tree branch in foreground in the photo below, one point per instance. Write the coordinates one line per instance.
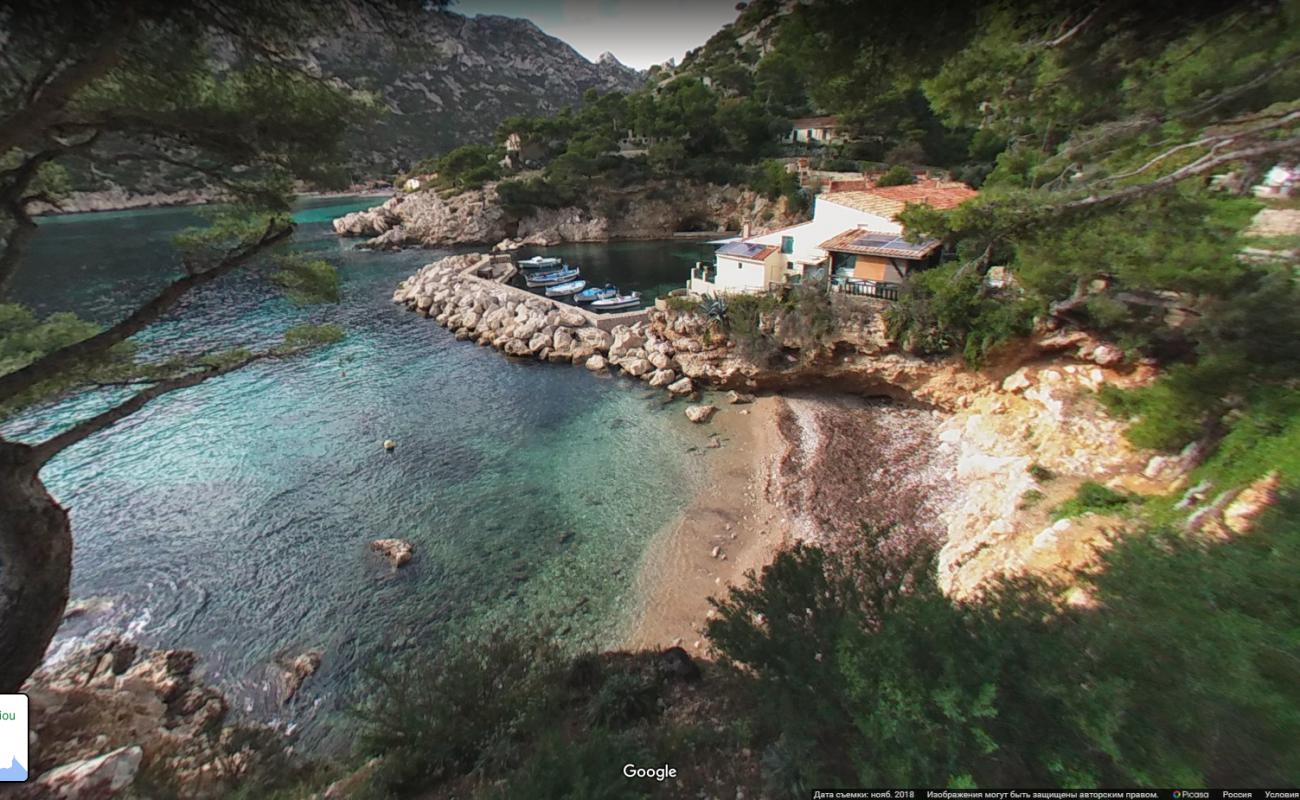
(47, 449)
(20, 380)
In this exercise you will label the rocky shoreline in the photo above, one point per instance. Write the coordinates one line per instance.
(653, 211)
(111, 718)
(454, 293)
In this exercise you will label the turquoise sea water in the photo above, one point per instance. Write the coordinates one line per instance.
(234, 518)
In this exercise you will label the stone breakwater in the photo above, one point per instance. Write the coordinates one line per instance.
(486, 311)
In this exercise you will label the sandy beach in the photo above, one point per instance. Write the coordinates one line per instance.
(735, 513)
(804, 467)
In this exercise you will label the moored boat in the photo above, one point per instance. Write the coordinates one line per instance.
(551, 278)
(540, 262)
(593, 293)
(561, 289)
(621, 302)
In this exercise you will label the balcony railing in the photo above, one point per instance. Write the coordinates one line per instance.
(704, 272)
(881, 289)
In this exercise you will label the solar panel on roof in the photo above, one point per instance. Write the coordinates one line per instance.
(743, 249)
(873, 240)
(890, 243)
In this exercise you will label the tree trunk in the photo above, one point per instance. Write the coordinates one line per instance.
(35, 565)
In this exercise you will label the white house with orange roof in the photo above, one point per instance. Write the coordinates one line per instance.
(854, 239)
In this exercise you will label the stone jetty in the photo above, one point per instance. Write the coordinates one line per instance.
(467, 294)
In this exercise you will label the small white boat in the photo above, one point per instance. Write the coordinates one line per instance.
(536, 279)
(621, 302)
(540, 262)
(595, 293)
(561, 289)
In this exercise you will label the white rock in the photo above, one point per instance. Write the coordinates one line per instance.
(662, 377)
(93, 778)
(636, 367)
(1017, 381)
(683, 386)
(1106, 355)
(596, 363)
(700, 414)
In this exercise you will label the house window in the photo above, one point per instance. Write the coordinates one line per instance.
(843, 264)
(787, 244)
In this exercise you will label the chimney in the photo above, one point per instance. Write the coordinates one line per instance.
(744, 231)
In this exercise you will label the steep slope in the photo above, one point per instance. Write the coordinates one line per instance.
(449, 80)
(443, 79)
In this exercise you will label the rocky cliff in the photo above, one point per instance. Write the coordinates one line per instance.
(444, 79)
(111, 720)
(448, 79)
(651, 211)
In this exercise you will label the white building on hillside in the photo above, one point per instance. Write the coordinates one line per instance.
(853, 243)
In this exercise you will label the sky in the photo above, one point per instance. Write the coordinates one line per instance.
(638, 32)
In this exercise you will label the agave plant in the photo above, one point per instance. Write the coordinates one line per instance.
(714, 310)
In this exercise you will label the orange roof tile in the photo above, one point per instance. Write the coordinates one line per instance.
(888, 201)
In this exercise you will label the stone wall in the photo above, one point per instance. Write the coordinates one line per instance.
(524, 325)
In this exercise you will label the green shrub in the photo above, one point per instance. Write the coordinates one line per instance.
(1040, 473)
(680, 304)
(897, 175)
(745, 315)
(469, 708)
(1030, 499)
(589, 768)
(866, 673)
(1093, 497)
(947, 307)
(624, 698)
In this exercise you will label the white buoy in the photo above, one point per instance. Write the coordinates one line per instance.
(389, 444)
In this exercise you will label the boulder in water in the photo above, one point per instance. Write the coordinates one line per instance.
(397, 551)
(296, 670)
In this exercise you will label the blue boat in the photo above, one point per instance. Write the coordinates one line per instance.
(561, 289)
(539, 262)
(551, 278)
(596, 293)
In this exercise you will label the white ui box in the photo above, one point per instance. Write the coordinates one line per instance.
(14, 736)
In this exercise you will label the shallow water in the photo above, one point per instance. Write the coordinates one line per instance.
(234, 518)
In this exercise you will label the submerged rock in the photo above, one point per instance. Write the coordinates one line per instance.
(737, 398)
(397, 551)
(297, 670)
